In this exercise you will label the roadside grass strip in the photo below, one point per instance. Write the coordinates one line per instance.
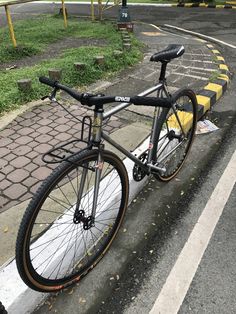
(41, 34)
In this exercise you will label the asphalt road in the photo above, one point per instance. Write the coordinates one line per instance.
(213, 286)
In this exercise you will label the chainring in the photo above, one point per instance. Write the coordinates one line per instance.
(138, 172)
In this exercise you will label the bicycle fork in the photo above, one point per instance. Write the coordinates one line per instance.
(79, 215)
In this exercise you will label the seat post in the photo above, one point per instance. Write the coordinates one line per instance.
(163, 71)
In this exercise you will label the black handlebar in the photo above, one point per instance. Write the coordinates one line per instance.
(47, 81)
(99, 100)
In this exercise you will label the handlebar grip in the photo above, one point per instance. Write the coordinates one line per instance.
(47, 81)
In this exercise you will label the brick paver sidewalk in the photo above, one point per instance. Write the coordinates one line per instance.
(26, 139)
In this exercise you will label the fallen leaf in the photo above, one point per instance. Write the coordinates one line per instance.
(182, 193)
(5, 230)
(151, 251)
(124, 230)
(71, 291)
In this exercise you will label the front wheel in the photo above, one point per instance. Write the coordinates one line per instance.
(176, 133)
(2, 309)
(58, 242)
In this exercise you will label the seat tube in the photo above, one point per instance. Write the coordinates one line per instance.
(153, 135)
(152, 142)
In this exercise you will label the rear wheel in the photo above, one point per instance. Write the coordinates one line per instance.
(176, 133)
(58, 241)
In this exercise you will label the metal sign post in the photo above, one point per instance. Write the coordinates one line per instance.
(124, 20)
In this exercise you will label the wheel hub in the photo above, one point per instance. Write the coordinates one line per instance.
(79, 216)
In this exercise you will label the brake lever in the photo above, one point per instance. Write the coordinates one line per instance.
(52, 97)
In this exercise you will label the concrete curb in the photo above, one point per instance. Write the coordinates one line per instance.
(212, 92)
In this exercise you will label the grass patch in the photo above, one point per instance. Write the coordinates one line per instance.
(38, 39)
(33, 35)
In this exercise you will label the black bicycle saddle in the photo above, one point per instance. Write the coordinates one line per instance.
(171, 52)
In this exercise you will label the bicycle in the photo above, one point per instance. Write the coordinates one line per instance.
(75, 215)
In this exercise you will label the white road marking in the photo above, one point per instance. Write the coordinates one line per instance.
(193, 76)
(202, 61)
(177, 284)
(198, 68)
(197, 54)
(164, 31)
(201, 35)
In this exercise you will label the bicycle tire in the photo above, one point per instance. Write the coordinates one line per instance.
(2, 309)
(185, 103)
(88, 246)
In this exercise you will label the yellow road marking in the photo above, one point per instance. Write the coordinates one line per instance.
(223, 67)
(215, 88)
(204, 101)
(186, 119)
(223, 77)
(220, 58)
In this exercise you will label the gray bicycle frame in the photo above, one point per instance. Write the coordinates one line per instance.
(99, 117)
(154, 131)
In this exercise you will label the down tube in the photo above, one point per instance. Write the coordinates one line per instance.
(124, 151)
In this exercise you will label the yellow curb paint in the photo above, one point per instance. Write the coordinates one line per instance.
(219, 6)
(223, 67)
(188, 5)
(215, 51)
(215, 88)
(202, 5)
(186, 119)
(220, 58)
(204, 101)
(223, 77)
